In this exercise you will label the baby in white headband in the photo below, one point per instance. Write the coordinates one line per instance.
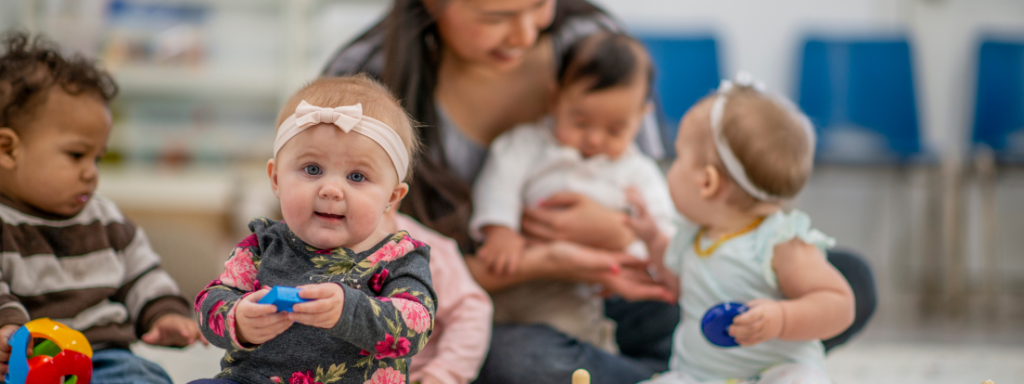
(340, 163)
(742, 153)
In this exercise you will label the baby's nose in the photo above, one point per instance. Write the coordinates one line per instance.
(331, 191)
(594, 139)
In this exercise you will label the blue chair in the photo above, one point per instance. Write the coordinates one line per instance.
(686, 69)
(999, 108)
(998, 139)
(860, 95)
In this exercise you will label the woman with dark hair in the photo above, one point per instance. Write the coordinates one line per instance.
(468, 70)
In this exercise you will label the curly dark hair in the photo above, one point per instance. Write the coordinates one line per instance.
(29, 67)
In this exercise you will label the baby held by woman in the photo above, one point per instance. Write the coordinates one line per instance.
(586, 146)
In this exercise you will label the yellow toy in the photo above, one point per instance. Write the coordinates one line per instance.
(64, 358)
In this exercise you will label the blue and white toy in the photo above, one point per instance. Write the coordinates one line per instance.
(283, 297)
(717, 320)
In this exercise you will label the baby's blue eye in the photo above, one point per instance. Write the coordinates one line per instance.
(313, 170)
(356, 177)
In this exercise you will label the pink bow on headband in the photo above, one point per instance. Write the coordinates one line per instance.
(345, 117)
(348, 118)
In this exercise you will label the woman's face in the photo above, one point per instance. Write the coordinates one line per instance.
(495, 33)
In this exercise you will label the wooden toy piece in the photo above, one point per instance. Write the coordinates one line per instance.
(581, 376)
(989, 382)
(66, 354)
(283, 298)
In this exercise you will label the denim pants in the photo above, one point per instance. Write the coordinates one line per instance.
(538, 354)
(121, 366)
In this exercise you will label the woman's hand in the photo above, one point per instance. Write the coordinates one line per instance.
(635, 284)
(576, 218)
(257, 323)
(559, 260)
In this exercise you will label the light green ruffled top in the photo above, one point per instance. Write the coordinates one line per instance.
(740, 270)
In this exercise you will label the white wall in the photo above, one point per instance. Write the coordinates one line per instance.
(763, 37)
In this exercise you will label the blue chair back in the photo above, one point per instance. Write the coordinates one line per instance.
(999, 108)
(686, 69)
(860, 95)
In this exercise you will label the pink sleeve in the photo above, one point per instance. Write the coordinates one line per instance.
(462, 332)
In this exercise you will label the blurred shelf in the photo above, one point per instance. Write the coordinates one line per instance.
(201, 82)
(159, 189)
(218, 3)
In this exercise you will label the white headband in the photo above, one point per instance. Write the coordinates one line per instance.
(348, 118)
(732, 164)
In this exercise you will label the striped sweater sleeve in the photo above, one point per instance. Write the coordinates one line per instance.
(11, 310)
(147, 291)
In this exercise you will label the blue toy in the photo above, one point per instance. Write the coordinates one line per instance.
(65, 357)
(717, 320)
(283, 297)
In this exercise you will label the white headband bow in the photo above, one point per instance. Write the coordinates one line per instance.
(348, 118)
(729, 159)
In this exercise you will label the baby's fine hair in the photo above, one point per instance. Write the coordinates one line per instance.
(378, 102)
(30, 67)
(606, 60)
(769, 137)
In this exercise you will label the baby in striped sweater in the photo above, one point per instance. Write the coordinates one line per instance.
(65, 253)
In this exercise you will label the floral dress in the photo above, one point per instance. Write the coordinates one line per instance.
(387, 316)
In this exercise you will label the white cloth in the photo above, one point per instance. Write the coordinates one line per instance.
(779, 374)
(527, 165)
(740, 270)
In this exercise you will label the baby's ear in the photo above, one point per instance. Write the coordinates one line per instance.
(272, 174)
(710, 182)
(396, 196)
(9, 143)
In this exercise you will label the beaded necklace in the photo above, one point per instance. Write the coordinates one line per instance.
(721, 240)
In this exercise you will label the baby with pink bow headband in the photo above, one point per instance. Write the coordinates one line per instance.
(341, 159)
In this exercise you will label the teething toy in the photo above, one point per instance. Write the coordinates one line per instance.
(66, 354)
(717, 320)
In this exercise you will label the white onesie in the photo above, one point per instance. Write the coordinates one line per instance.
(527, 165)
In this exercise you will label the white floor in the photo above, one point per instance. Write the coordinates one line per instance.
(884, 363)
(861, 362)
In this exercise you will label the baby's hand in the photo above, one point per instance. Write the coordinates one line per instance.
(502, 249)
(257, 323)
(5, 349)
(325, 309)
(640, 220)
(173, 330)
(762, 322)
